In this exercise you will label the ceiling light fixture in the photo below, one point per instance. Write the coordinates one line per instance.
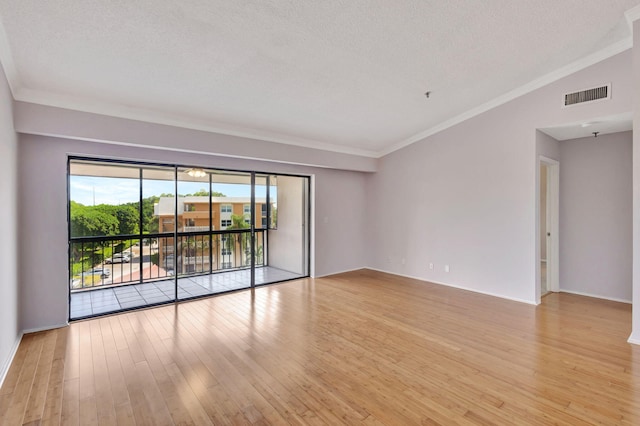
(427, 94)
(196, 172)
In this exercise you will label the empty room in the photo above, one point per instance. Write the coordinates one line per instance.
(390, 213)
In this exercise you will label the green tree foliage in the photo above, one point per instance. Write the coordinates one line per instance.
(238, 222)
(240, 241)
(204, 193)
(92, 221)
(104, 219)
(128, 218)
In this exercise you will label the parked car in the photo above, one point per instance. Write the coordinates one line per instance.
(119, 258)
(103, 272)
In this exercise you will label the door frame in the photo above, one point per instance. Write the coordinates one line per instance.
(553, 226)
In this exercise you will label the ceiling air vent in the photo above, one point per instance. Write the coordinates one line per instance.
(587, 95)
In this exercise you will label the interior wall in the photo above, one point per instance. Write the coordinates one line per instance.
(596, 216)
(635, 91)
(65, 123)
(286, 243)
(338, 196)
(467, 196)
(9, 314)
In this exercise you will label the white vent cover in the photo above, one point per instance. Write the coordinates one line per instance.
(587, 95)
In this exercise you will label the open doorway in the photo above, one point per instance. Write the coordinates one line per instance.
(547, 256)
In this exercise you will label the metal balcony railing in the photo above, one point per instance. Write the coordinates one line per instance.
(99, 262)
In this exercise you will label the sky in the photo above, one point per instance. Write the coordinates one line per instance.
(90, 190)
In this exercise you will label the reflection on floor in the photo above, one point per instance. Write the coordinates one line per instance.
(96, 302)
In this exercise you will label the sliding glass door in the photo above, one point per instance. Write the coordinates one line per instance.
(145, 234)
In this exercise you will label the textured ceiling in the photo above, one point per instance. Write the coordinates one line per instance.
(343, 75)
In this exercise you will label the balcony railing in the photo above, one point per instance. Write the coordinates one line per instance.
(98, 262)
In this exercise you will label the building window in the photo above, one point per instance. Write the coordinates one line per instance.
(189, 208)
(226, 252)
(246, 209)
(225, 222)
(226, 208)
(190, 222)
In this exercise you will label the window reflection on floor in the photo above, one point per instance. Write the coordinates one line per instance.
(102, 301)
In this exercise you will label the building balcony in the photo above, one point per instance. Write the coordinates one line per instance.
(196, 228)
(196, 214)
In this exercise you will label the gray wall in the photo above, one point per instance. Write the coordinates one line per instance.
(43, 200)
(635, 91)
(60, 122)
(9, 321)
(596, 216)
(467, 196)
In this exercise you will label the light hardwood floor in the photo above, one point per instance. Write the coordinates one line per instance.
(361, 347)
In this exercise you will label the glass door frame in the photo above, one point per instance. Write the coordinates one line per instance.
(141, 165)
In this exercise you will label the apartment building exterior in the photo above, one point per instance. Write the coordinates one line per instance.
(203, 245)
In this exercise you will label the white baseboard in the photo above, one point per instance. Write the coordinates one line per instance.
(634, 339)
(500, 296)
(45, 328)
(342, 272)
(9, 361)
(595, 296)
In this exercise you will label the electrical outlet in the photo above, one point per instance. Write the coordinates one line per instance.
(446, 268)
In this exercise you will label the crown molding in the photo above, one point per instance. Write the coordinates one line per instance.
(632, 15)
(565, 71)
(121, 111)
(7, 63)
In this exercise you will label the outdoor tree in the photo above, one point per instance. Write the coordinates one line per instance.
(128, 218)
(204, 193)
(90, 221)
(241, 240)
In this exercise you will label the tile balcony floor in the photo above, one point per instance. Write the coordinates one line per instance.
(105, 300)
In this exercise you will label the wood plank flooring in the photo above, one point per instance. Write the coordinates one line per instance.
(355, 348)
